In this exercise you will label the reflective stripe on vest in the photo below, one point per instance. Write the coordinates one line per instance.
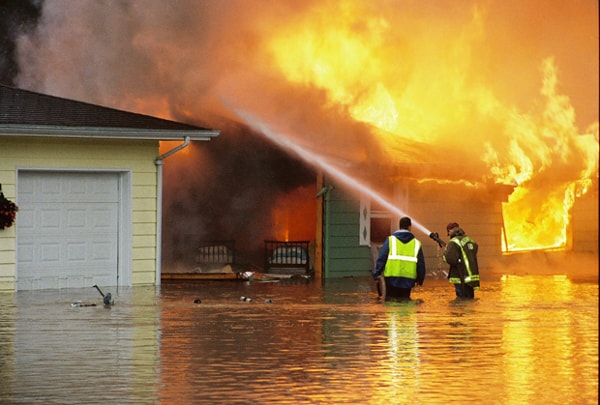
(470, 276)
(402, 258)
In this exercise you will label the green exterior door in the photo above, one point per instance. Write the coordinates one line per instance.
(343, 256)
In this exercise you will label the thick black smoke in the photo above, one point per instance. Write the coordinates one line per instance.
(219, 190)
(17, 17)
(225, 189)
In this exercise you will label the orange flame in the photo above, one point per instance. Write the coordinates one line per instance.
(551, 164)
(392, 84)
(294, 215)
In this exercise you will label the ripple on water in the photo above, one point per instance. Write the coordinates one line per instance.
(335, 343)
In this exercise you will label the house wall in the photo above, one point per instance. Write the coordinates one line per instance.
(434, 207)
(430, 207)
(585, 223)
(343, 256)
(86, 154)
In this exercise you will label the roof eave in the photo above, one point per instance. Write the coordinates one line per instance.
(106, 133)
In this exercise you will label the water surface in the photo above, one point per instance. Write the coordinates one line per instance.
(524, 340)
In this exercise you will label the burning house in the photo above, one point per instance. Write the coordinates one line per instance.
(355, 226)
(338, 117)
(346, 210)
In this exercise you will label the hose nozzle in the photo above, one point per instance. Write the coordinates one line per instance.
(436, 237)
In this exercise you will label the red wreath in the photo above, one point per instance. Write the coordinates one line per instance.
(8, 211)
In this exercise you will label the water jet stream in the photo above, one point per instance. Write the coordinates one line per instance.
(314, 159)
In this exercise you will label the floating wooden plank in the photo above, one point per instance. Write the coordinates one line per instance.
(202, 276)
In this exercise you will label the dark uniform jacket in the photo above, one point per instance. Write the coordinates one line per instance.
(463, 262)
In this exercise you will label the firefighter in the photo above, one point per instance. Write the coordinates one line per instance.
(461, 255)
(401, 262)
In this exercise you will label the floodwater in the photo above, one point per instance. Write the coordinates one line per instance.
(524, 340)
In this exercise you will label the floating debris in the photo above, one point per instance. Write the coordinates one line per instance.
(197, 301)
(268, 301)
(78, 304)
(245, 299)
(106, 298)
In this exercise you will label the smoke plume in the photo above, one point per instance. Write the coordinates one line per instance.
(507, 89)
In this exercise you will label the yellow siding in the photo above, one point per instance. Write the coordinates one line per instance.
(141, 217)
(7, 236)
(86, 154)
(144, 229)
(145, 241)
(7, 256)
(142, 179)
(143, 278)
(7, 283)
(144, 191)
(7, 270)
(143, 253)
(144, 204)
(143, 272)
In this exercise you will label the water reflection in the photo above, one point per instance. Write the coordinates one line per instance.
(543, 335)
(524, 340)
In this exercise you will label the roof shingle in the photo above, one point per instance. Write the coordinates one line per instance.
(23, 107)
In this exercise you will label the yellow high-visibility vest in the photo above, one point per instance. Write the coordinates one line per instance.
(402, 258)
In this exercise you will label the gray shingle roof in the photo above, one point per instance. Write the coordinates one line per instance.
(23, 108)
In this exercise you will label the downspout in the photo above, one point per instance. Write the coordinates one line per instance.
(159, 191)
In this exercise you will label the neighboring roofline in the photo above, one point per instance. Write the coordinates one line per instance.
(106, 132)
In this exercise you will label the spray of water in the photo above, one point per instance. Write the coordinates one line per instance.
(314, 159)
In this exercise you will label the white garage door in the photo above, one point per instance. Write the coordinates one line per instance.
(67, 231)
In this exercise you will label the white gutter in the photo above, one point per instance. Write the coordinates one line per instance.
(159, 191)
(105, 132)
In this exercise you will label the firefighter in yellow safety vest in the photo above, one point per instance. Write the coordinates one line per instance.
(401, 262)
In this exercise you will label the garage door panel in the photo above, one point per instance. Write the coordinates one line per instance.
(77, 281)
(76, 218)
(25, 253)
(70, 186)
(76, 252)
(84, 217)
(67, 230)
(102, 218)
(26, 218)
(68, 252)
(103, 190)
(49, 219)
(49, 252)
(72, 214)
(102, 252)
(49, 187)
